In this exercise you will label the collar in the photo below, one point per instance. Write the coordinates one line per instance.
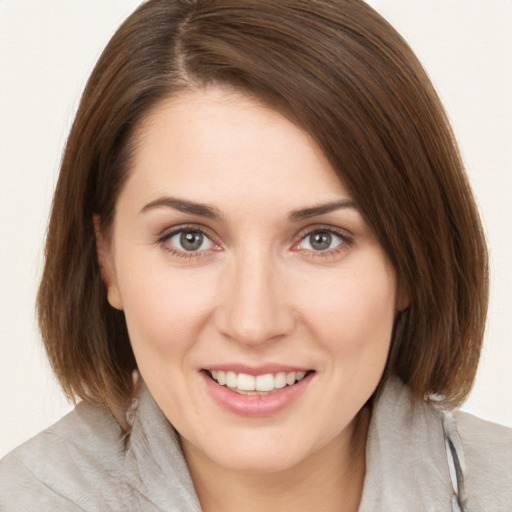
(406, 463)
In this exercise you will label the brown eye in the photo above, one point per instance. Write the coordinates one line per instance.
(325, 241)
(320, 241)
(189, 240)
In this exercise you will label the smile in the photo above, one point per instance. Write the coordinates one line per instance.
(246, 384)
(256, 393)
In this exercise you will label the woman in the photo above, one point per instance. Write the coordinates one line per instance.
(265, 276)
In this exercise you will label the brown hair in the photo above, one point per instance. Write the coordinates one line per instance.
(341, 73)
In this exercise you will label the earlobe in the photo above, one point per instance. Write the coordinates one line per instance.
(403, 300)
(107, 269)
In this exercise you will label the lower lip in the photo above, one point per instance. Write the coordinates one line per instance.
(255, 405)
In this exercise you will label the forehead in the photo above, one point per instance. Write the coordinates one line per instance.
(216, 144)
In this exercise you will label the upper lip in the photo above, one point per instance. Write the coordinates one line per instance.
(256, 370)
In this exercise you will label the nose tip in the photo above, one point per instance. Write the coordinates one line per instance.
(253, 328)
(256, 310)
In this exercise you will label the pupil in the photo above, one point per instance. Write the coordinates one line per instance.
(321, 241)
(191, 240)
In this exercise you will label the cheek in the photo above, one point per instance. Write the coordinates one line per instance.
(354, 312)
(165, 309)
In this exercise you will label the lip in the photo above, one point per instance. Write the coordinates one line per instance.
(255, 406)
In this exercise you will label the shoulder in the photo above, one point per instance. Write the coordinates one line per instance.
(51, 471)
(488, 457)
(418, 449)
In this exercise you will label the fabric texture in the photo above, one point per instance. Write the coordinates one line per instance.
(85, 462)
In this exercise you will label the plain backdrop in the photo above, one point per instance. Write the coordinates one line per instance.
(47, 50)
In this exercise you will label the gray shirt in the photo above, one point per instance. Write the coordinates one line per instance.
(419, 457)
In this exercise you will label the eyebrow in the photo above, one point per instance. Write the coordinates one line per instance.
(321, 209)
(211, 212)
(182, 205)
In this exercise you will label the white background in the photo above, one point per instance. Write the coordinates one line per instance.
(47, 50)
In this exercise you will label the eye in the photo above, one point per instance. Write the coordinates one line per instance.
(322, 240)
(189, 240)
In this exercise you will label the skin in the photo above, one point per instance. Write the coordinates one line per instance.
(257, 292)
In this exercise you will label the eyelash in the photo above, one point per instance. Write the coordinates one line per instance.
(345, 244)
(164, 238)
(346, 241)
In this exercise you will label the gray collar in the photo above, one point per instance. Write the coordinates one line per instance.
(406, 456)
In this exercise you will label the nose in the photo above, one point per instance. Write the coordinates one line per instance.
(255, 307)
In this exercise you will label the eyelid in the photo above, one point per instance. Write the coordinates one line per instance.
(308, 230)
(168, 233)
(346, 237)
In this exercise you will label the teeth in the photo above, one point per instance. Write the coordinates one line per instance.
(260, 385)
(290, 378)
(241, 392)
(231, 380)
(265, 382)
(246, 382)
(280, 380)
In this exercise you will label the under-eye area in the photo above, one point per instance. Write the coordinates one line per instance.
(268, 383)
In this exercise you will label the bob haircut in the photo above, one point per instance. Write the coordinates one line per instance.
(341, 73)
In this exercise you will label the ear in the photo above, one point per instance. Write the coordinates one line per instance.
(106, 264)
(403, 299)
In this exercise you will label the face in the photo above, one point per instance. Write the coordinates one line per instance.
(258, 302)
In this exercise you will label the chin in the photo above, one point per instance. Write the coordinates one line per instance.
(250, 462)
(257, 451)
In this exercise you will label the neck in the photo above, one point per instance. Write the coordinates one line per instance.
(329, 480)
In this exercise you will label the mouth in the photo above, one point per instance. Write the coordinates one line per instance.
(265, 384)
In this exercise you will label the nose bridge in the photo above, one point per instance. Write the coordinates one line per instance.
(254, 308)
